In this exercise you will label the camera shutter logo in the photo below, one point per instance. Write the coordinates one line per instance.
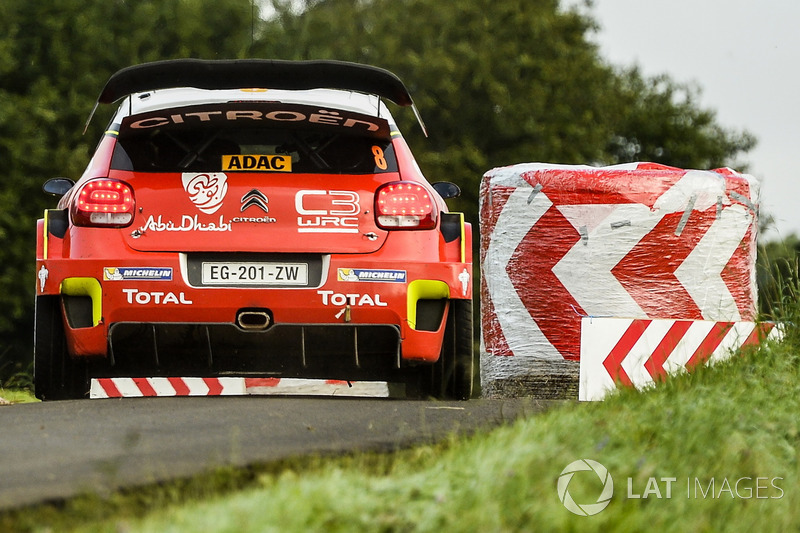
(585, 509)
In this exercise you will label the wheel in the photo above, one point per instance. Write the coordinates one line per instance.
(56, 376)
(459, 362)
(451, 376)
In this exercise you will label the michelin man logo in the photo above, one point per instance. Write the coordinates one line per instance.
(585, 509)
(43, 274)
(464, 279)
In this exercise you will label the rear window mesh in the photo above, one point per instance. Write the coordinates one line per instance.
(204, 150)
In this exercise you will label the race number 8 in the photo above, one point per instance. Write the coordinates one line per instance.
(380, 159)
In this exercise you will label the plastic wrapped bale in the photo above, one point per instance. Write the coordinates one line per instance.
(639, 240)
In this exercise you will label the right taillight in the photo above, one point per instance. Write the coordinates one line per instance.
(404, 205)
(104, 202)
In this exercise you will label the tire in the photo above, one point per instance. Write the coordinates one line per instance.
(461, 358)
(56, 376)
(451, 377)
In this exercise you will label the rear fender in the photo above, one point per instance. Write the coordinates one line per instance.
(423, 345)
(83, 324)
(422, 335)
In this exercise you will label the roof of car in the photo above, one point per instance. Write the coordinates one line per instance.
(183, 96)
(255, 73)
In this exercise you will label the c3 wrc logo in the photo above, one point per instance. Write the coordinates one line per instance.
(327, 211)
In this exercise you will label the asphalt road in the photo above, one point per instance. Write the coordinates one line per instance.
(56, 450)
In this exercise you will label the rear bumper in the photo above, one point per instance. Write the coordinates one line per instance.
(338, 351)
(157, 321)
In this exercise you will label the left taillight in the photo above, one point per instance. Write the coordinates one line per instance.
(104, 202)
(404, 205)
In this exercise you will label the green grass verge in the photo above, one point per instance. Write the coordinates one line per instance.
(732, 423)
(17, 395)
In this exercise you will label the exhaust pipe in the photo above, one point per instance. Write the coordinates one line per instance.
(253, 319)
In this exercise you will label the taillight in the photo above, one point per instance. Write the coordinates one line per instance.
(404, 205)
(104, 202)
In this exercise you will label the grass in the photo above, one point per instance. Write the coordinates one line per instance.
(734, 422)
(17, 395)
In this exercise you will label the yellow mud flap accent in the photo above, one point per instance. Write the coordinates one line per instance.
(424, 289)
(86, 287)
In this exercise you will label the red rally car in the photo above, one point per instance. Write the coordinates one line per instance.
(253, 218)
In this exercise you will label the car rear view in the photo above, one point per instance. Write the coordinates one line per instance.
(253, 218)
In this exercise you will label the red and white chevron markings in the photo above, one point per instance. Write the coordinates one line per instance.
(638, 240)
(639, 352)
(142, 387)
(519, 328)
(232, 386)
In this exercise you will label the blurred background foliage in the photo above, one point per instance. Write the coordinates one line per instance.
(497, 82)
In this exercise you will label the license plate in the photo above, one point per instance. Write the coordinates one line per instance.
(254, 273)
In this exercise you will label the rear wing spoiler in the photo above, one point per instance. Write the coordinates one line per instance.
(256, 73)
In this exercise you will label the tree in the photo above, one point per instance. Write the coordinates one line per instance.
(660, 121)
(54, 59)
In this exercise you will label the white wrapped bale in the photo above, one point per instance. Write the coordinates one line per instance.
(639, 240)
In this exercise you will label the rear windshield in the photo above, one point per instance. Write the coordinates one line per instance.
(260, 137)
